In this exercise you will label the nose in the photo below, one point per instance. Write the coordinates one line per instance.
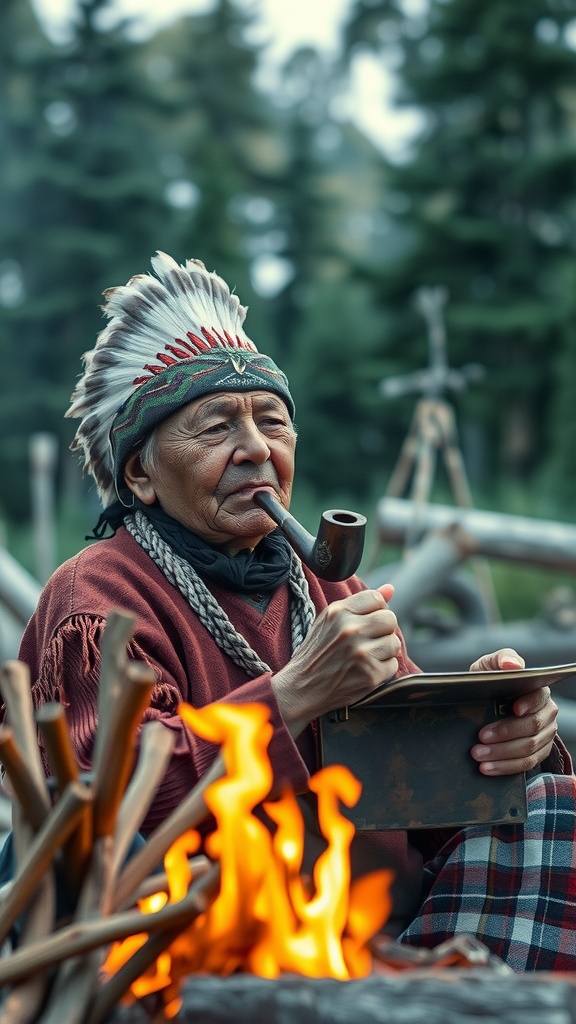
(251, 446)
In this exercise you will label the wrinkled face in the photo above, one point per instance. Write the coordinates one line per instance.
(210, 457)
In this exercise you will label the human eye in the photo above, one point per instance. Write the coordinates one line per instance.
(273, 416)
(218, 427)
(272, 422)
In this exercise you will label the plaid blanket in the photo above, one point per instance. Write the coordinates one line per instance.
(512, 886)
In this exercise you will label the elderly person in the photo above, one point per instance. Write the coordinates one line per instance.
(182, 421)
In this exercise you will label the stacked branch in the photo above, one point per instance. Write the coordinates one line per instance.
(71, 838)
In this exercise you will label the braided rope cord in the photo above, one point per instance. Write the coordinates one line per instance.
(182, 575)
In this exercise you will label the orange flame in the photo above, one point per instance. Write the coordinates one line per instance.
(266, 918)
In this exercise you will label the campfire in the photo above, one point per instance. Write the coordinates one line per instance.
(266, 918)
(127, 930)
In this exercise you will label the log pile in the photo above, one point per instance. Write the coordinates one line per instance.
(70, 845)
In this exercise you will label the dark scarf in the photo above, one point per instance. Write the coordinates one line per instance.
(260, 571)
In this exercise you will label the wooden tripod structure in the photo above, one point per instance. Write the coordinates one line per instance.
(433, 433)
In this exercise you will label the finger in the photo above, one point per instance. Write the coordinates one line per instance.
(387, 591)
(383, 648)
(381, 623)
(362, 603)
(505, 658)
(535, 720)
(532, 702)
(375, 660)
(512, 765)
(519, 754)
(513, 746)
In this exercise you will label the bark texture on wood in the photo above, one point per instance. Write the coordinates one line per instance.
(413, 997)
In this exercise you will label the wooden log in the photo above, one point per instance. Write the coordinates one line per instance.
(113, 658)
(533, 541)
(126, 689)
(51, 719)
(83, 937)
(15, 688)
(57, 827)
(189, 813)
(159, 883)
(156, 746)
(113, 990)
(459, 951)
(76, 977)
(117, 757)
(27, 792)
(412, 997)
(24, 1002)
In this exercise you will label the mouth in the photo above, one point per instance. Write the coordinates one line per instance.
(248, 490)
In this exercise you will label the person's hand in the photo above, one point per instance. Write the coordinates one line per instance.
(505, 658)
(349, 651)
(522, 740)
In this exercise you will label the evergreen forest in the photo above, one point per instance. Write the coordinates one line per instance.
(113, 147)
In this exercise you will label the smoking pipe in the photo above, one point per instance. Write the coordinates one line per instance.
(335, 553)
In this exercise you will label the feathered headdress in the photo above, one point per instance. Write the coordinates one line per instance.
(170, 339)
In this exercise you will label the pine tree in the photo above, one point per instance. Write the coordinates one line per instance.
(325, 199)
(25, 54)
(486, 199)
(90, 195)
(219, 126)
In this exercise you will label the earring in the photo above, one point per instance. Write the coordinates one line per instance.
(121, 500)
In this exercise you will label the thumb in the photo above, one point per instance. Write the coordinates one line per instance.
(387, 591)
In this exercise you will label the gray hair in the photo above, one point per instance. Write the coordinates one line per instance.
(148, 452)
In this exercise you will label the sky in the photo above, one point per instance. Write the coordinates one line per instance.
(290, 21)
(285, 25)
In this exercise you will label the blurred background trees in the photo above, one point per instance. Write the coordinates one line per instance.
(114, 147)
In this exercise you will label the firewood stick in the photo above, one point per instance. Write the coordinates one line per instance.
(15, 688)
(57, 827)
(76, 978)
(76, 855)
(127, 700)
(51, 718)
(117, 752)
(156, 746)
(113, 658)
(189, 813)
(113, 990)
(29, 794)
(81, 938)
(159, 883)
(22, 1004)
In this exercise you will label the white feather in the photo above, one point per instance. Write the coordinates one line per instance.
(145, 316)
